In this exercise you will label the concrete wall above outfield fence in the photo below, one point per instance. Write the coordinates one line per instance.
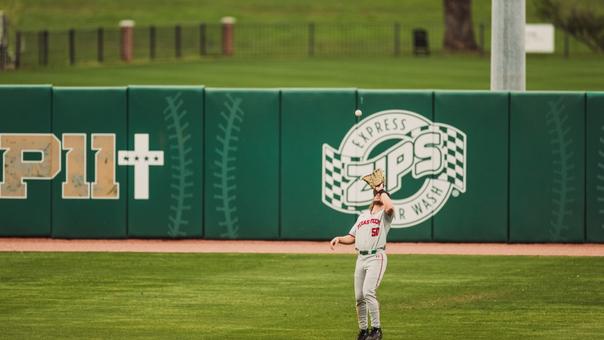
(273, 163)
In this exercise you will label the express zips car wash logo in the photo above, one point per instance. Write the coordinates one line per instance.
(430, 151)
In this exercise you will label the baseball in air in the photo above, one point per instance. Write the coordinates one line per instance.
(358, 113)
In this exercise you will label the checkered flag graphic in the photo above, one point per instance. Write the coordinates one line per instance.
(454, 153)
(334, 180)
(453, 149)
(454, 146)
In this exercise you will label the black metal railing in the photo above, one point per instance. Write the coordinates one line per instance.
(103, 45)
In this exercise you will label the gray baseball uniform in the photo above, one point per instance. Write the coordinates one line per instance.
(370, 232)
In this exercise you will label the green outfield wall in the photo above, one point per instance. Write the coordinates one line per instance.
(26, 109)
(172, 117)
(595, 167)
(88, 111)
(241, 176)
(218, 163)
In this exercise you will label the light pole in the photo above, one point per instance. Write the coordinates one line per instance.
(508, 58)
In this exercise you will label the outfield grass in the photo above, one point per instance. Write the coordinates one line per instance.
(61, 15)
(52, 14)
(64, 14)
(248, 296)
(436, 72)
(583, 71)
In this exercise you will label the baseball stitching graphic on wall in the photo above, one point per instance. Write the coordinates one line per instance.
(225, 166)
(563, 165)
(430, 151)
(173, 119)
(182, 172)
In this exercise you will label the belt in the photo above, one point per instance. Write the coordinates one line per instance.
(370, 252)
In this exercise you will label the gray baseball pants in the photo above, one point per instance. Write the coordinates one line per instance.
(368, 274)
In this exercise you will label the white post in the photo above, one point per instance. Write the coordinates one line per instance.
(508, 67)
(127, 40)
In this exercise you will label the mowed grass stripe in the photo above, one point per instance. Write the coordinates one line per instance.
(252, 296)
(435, 72)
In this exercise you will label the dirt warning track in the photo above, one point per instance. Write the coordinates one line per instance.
(290, 247)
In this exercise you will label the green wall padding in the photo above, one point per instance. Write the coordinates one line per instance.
(90, 110)
(479, 214)
(310, 118)
(280, 163)
(172, 117)
(26, 109)
(242, 164)
(371, 101)
(547, 174)
(595, 167)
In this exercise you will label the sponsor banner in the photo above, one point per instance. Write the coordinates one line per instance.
(424, 150)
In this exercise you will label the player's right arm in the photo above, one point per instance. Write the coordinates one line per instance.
(348, 239)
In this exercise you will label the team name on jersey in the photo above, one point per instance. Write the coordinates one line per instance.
(369, 221)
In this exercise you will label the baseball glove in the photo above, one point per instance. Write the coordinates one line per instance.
(375, 178)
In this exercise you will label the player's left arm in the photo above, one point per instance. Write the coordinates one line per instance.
(386, 201)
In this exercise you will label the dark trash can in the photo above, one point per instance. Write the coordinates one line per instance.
(420, 42)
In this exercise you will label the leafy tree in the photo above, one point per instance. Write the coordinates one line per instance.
(579, 19)
(459, 33)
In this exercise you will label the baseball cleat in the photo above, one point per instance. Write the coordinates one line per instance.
(363, 333)
(376, 334)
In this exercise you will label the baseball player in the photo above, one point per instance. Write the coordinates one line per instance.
(369, 235)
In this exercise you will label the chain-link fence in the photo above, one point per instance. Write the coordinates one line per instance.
(104, 45)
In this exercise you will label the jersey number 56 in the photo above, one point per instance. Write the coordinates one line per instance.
(375, 231)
